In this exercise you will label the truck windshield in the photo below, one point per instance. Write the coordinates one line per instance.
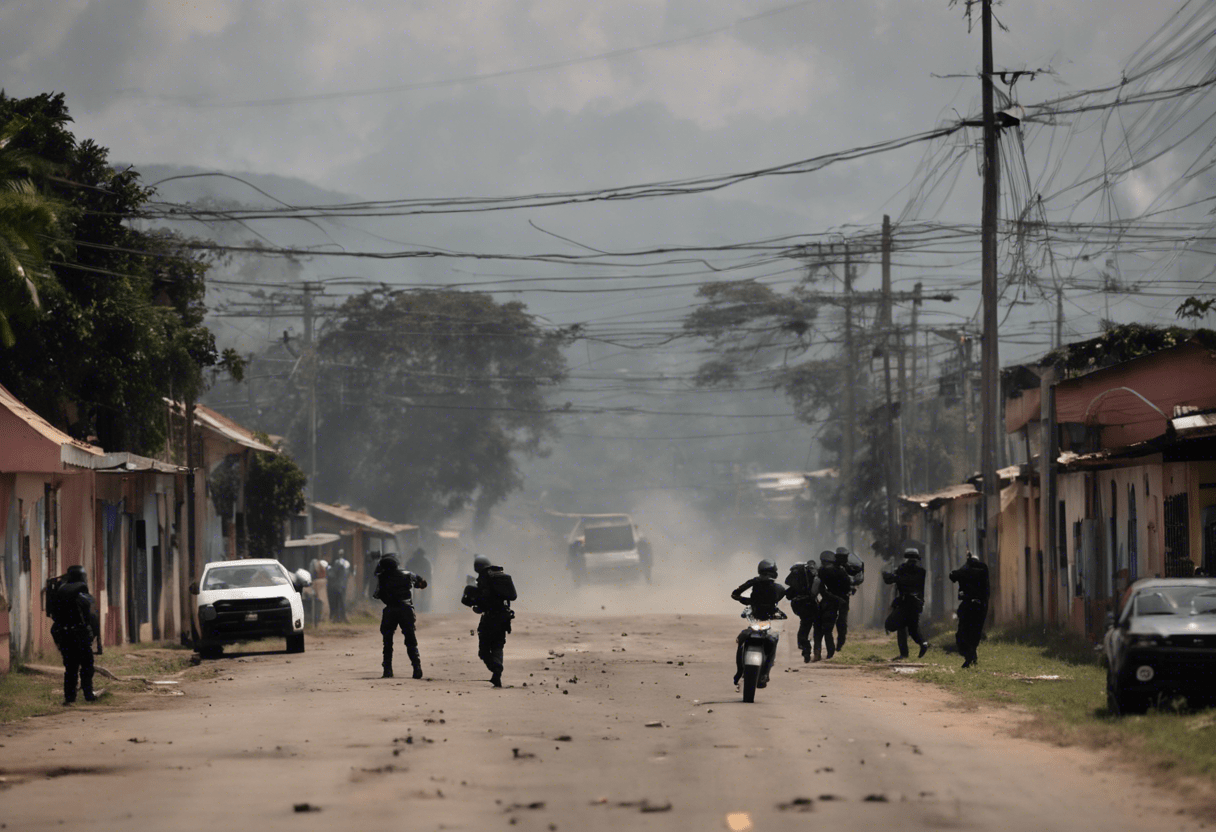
(1176, 600)
(239, 576)
(608, 539)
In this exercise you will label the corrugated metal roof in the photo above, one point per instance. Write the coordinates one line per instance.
(47, 430)
(314, 539)
(207, 418)
(360, 518)
(947, 494)
(120, 462)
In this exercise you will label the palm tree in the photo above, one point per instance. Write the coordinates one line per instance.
(29, 231)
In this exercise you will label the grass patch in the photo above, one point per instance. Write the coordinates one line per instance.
(26, 693)
(1068, 709)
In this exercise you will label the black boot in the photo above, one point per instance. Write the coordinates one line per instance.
(924, 648)
(496, 679)
(388, 672)
(417, 671)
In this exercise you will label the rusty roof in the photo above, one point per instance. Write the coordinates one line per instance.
(71, 449)
(362, 518)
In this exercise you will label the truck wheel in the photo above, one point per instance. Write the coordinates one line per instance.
(207, 650)
(295, 643)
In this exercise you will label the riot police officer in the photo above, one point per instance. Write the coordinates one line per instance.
(973, 590)
(904, 620)
(802, 588)
(834, 589)
(394, 587)
(74, 626)
(856, 573)
(766, 592)
(491, 596)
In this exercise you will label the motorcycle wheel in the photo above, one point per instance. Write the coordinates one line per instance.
(751, 675)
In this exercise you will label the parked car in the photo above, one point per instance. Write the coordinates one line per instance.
(239, 600)
(608, 547)
(1163, 642)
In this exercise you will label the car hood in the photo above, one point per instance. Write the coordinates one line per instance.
(1173, 625)
(210, 596)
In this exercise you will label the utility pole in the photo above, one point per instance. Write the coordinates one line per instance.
(892, 470)
(905, 406)
(1059, 316)
(964, 363)
(311, 359)
(850, 404)
(188, 412)
(911, 403)
(991, 387)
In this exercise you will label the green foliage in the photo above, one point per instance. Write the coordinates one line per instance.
(1115, 345)
(427, 398)
(274, 492)
(1195, 308)
(121, 326)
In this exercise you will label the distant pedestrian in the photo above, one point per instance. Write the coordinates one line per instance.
(973, 591)
(394, 588)
(74, 627)
(904, 620)
(319, 567)
(421, 566)
(308, 595)
(339, 580)
(491, 596)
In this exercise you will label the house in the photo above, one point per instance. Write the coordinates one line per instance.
(1130, 485)
(361, 535)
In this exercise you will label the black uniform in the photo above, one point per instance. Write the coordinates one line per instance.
(856, 576)
(495, 622)
(395, 587)
(766, 593)
(972, 580)
(804, 603)
(904, 620)
(74, 627)
(834, 588)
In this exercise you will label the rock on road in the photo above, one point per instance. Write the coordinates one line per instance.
(577, 748)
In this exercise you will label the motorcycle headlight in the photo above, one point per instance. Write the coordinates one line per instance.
(760, 626)
(206, 612)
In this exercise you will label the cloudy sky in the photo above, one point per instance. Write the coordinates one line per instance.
(385, 99)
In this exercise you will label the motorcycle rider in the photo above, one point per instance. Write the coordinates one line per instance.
(834, 589)
(766, 592)
(394, 587)
(802, 588)
(74, 626)
(495, 613)
(973, 590)
(856, 575)
(904, 620)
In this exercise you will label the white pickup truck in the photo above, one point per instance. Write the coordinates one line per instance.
(608, 548)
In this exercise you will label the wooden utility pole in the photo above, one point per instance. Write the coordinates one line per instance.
(191, 520)
(890, 451)
(311, 359)
(848, 438)
(990, 370)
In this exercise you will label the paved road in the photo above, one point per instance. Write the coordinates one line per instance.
(448, 752)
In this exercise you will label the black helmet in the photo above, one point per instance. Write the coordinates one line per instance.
(76, 573)
(912, 552)
(480, 563)
(842, 554)
(388, 563)
(766, 567)
(827, 556)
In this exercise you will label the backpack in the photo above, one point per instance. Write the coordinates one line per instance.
(501, 585)
(54, 603)
(799, 580)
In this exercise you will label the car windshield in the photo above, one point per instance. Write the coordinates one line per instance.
(608, 538)
(245, 576)
(1176, 600)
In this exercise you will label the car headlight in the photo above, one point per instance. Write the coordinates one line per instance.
(283, 602)
(206, 612)
(1144, 641)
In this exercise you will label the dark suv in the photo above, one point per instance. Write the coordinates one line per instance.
(1162, 643)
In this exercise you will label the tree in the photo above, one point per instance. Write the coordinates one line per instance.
(427, 400)
(274, 492)
(121, 326)
(29, 230)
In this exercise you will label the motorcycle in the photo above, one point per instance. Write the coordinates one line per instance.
(758, 646)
